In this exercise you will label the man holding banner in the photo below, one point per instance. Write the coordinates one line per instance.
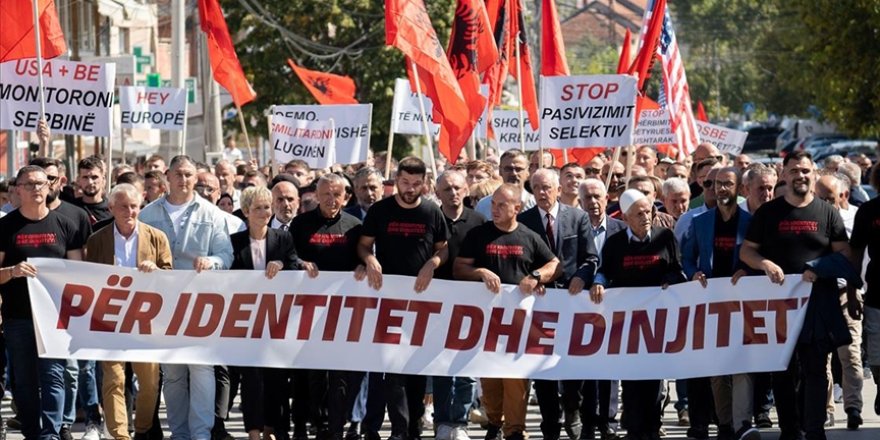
(33, 231)
(410, 236)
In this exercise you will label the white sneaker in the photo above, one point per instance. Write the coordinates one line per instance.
(837, 392)
(829, 420)
(93, 432)
(444, 432)
(460, 433)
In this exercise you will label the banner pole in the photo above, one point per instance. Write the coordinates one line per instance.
(183, 132)
(333, 131)
(247, 140)
(51, 152)
(271, 147)
(122, 144)
(388, 150)
(614, 158)
(630, 160)
(522, 117)
(427, 129)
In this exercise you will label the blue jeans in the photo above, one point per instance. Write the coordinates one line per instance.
(81, 391)
(453, 397)
(681, 390)
(39, 383)
(189, 399)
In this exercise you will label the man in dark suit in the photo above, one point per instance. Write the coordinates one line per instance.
(367, 190)
(566, 230)
(594, 201)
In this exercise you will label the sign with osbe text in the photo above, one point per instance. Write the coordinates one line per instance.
(78, 96)
(592, 110)
(727, 140)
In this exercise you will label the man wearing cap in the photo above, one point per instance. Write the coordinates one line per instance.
(639, 256)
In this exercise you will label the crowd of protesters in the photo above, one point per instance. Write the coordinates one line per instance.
(517, 219)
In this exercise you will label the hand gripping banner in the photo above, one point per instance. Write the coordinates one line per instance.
(89, 311)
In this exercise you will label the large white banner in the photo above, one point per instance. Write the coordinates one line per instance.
(310, 141)
(505, 124)
(727, 140)
(653, 128)
(352, 126)
(78, 96)
(160, 108)
(587, 111)
(452, 329)
(406, 116)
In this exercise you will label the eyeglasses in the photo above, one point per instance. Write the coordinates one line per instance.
(513, 169)
(592, 170)
(34, 186)
(204, 189)
(719, 157)
(52, 178)
(708, 184)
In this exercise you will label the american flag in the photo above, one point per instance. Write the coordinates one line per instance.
(675, 93)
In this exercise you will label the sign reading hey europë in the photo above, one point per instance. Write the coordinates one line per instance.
(162, 108)
(311, 141)
(592, 110)
(78, 96)
(351, 126)
(453, 328)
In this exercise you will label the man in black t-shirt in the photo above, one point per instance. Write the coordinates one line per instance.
(453, 396)
(506, 252)
(710, 249)
(91, 179)
(784, 234)
(866, 236)
(55, 171)
(326, 239)
(409, 235)
(32, 231)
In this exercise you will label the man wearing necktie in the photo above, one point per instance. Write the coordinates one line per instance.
(567, 232)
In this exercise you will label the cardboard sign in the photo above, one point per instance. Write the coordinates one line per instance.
(158, 108)
(727, 140)
(351, 126)
(311, 141)
(653, 128)
(505, 125)
(406, 117)
(582, 111)
(78, 96)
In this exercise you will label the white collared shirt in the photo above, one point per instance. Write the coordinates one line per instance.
(632, 237)
(554, 214)
(599, 234)
(125, 249)
(277, 224)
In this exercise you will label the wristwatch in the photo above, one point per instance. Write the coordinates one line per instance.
(536, 275)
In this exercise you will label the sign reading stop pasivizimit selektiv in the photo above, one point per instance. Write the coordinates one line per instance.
(296, 139)
(727, 140)
(78, 96)
(505, 124)
(161, 108)
(592, 110)
(351, 126)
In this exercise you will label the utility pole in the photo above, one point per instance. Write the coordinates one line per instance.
(178, 60)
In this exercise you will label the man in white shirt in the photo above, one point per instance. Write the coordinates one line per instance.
(514, 168)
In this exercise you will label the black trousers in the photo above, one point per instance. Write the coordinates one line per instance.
(344, 388)
(801, 392)
(404, 396)
(375, 414)
(252, 396)
(642, 406)
(221, 399)
(701, 404)
(763, 393)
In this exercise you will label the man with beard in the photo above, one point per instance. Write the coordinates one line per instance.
(91, 181)
(285, 204)
(514, 168)
(706, 172)
(711, 250)
(410, 236)
(783, 236)
(55, 172)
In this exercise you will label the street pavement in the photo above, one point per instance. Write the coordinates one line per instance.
(869, 431)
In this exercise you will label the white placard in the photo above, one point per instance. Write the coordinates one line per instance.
(653, 128)
(505, 125)
(160, 108)
(587, 111)
(406, 118)
(295, 139)
(351, 121)
(78, 96)
(727, 140)
(454, 328)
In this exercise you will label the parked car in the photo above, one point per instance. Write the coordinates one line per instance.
(845, 148)
(761, 138)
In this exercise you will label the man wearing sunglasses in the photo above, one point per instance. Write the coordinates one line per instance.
(706, 171)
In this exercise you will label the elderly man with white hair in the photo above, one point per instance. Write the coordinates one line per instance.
(676, 196)
(642, 255)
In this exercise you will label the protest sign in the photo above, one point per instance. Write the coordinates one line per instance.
(297, 139)
(653, 128)
(505, 124)
(351, 126)
(727, 140)
(79, 96)
(587, 111)
(159, 108)
(406, 117)
(453, 328)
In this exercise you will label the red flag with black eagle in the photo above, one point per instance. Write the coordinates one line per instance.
(519, 36)
(17, 30)
(327, 88)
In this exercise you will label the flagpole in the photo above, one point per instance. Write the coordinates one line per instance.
(427, 129)
(271, 147)
(122, 143)
(388, 151)
(247, 140)
(51, 152)
(522, 118)
(183, 131)
(630, 160)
